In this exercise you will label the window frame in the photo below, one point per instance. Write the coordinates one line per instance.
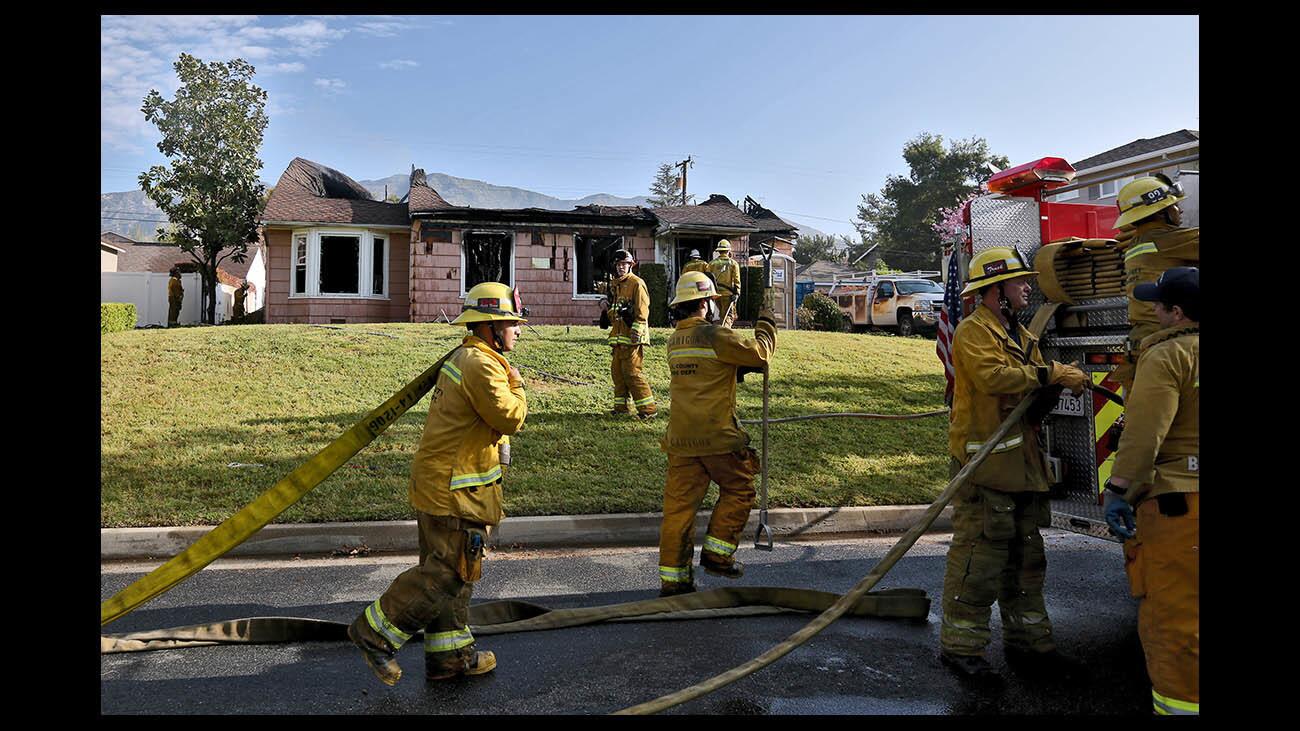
(514, 254)
(365, 263)
(588, 296)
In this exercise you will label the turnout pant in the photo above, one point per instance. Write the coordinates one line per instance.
(725, 311)
(173, 313)
(625, 370)
(1163, 565)
(996, 555)
(432, 597)
(688, 481)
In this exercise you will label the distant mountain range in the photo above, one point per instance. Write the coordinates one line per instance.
(133, 215)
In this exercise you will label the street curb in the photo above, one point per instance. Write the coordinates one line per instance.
(548, 531)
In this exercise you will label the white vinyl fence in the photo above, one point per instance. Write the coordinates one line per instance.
(148, 291)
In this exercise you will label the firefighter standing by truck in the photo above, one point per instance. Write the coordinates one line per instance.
(997, 552)
(704, 440)
(1157, 474)
(726, 275)
(455, 489)
(1152, 241)
(626, 312)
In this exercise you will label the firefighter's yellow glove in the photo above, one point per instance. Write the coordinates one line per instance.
(1068, 376)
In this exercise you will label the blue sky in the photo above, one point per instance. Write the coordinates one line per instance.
(805, 114)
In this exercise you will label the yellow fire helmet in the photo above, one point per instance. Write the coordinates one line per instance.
(723, 245)
(997, 264)
(693, 286)
(489, 301)
(1145, 196)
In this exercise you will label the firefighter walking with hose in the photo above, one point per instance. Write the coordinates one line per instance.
(997, 552)
(456, 491)
(1153, 494)
(704, 440)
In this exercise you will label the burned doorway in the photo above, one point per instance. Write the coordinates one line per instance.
(682, 251)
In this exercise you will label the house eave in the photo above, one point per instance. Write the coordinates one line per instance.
(320, 224)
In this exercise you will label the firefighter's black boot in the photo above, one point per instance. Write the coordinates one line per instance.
(380, 659)
(714, 564)
(676, 588)
(1052, 664)
(968, 667)
(456, 663)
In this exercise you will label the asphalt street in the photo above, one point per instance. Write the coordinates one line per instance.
(855, 666)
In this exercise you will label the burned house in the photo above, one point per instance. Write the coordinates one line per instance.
(334, 255)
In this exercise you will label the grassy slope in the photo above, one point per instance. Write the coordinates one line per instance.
(178, 405)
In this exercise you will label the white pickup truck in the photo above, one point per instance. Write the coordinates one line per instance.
(904, 303)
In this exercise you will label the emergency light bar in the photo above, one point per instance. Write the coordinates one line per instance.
(1045, 173)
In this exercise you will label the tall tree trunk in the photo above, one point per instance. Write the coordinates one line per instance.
(210, 294)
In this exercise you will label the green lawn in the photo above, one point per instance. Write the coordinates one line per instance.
(178, 406)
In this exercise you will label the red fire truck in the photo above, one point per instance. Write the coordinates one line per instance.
(1088, 325)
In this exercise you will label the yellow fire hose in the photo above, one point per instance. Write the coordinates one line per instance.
(838, 609)
(499, 617)
(262, 510)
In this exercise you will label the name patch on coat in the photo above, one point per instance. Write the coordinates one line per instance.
(1193, 464)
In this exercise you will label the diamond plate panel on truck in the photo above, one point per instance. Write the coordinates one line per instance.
(1005, 222)
(1074, 442)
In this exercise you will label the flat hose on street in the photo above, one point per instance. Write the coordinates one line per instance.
(841, 606)
(502, 617)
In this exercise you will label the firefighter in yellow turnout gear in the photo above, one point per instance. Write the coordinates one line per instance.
(627, 318)
(455, 488)
(726, 274)
(1152, 241)
(175, 296)
(1157, 472)
(997, 552)
(704, 440)
(695, 263)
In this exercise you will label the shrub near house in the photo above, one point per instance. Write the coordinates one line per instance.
(116, 316)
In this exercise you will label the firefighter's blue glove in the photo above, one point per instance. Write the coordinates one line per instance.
(1119, 516)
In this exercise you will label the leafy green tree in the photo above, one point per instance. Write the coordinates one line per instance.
(902, 216)
(665, 190)
(817, 247)
(211, 132)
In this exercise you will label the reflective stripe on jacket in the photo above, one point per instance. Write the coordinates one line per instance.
(630, 288)
(992, 375)
(1160, 448)
(1154, 247)
(457, 469)
(702, 359)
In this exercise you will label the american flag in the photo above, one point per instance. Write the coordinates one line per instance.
(948, 319)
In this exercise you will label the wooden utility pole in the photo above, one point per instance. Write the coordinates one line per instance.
(683, 165)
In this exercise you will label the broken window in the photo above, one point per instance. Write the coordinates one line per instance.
(300, 265)
(339, 264)
(339, 257)
(488, 257)
(591, 260)
(378, 265)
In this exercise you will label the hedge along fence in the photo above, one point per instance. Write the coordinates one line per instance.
(656, 284)
(116, 316)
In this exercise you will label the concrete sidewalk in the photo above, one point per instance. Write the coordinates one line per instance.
(553, 531)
